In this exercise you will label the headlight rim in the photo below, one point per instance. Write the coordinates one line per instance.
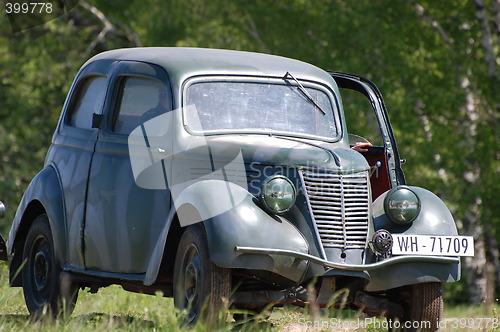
(390, 213)
(262, 196)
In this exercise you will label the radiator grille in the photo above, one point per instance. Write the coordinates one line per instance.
(340, 207)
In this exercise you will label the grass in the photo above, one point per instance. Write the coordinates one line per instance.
(113, 309)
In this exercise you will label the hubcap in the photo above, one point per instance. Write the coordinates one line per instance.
(192, 282)
(41, 270)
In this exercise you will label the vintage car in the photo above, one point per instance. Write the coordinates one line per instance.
(228, 178)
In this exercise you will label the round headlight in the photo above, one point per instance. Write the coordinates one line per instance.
(402, 205)
(278, 194)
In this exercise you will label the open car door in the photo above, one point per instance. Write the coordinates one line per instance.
(363, 101)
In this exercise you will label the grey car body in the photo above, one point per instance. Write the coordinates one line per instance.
(107, 229)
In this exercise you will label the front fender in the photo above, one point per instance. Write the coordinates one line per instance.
(43, 195)
(247, 224)
(434, 219)
(232, 221)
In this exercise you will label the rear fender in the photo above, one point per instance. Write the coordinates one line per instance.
(43, 195)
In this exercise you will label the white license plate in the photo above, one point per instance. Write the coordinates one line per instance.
(432, 245)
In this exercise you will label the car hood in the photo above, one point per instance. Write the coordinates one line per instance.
(274, 150)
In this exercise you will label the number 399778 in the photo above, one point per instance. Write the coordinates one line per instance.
(28, 8)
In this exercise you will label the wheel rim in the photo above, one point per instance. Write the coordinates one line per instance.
(40, 270)
(192, 282)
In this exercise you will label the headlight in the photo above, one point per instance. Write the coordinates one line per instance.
(278, 194)
(402, 205)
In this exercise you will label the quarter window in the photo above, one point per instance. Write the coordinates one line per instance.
(140, 99)
(89, 100)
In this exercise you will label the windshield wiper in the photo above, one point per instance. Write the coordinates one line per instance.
(304, 92)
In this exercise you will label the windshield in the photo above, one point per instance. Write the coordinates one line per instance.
(271, 108)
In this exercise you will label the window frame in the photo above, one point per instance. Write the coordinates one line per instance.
(130, 68)
(334, 100)
(76, 96)
(118, 97)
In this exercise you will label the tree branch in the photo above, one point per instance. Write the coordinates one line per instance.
(252, 29)
(487, 38)
(496, 18)
(108, 27)
(421, 12)
(104, 20)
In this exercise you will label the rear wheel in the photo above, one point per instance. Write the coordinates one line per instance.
(201, 288)
(46, 289)
(423, 305)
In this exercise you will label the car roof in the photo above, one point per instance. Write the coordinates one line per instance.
(183, 62)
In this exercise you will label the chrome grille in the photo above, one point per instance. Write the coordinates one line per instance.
(340, 207)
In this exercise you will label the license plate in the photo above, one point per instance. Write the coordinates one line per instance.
(432, 245)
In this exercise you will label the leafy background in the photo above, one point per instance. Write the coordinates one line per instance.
(436, 62)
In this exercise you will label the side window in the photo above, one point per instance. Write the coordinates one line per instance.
(139, 100)
(89, 100)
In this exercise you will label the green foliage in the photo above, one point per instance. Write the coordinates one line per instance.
(426, 57)
(37, 67)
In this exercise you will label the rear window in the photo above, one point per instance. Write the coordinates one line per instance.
(89, 99)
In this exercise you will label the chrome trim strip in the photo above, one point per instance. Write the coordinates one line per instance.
(309, 208)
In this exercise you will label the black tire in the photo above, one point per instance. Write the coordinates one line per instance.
(201, 288)
(423, 304)
(46, 289)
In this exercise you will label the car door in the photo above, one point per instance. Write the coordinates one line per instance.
(123, 220)
(366, 113)
(73, 146)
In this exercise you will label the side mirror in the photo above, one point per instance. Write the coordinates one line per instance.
(2, 210)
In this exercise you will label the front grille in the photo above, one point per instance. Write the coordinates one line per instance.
(340, 207)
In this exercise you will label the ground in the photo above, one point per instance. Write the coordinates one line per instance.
(115, 309)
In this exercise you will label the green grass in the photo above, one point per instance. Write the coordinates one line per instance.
(113, 309)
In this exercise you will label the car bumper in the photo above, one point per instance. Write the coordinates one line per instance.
(349, 267)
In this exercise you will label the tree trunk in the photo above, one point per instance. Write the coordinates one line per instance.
(475, 267)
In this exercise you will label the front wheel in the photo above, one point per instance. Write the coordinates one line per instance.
(46, 289)
(201, 288)
(423, 304)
